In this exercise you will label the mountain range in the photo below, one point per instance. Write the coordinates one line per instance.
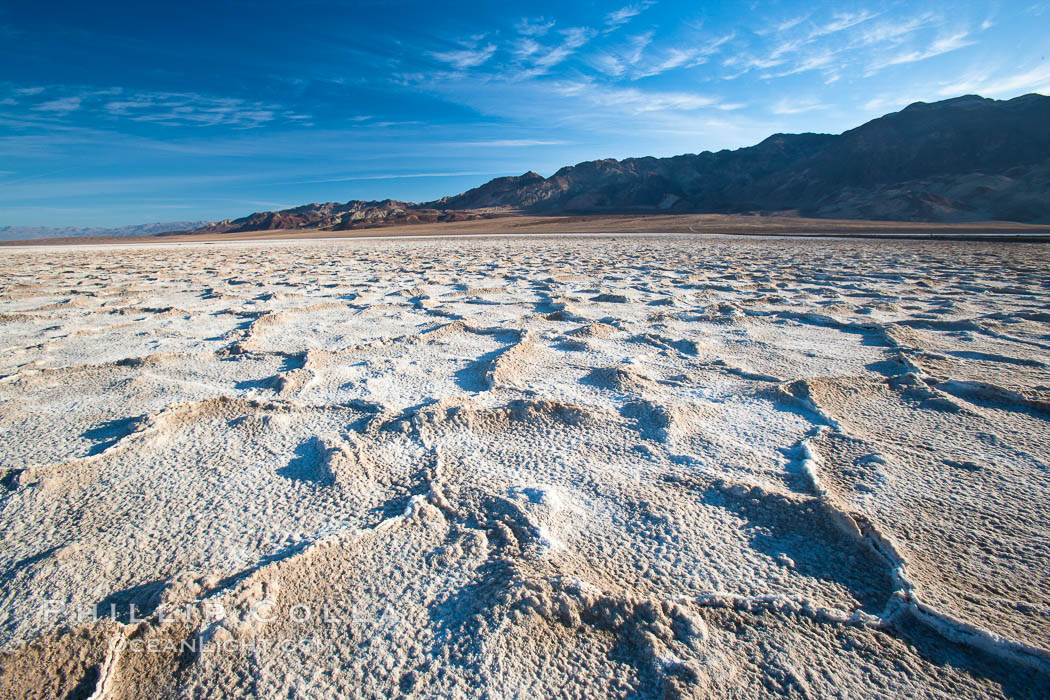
(968, 158)
(964, 159)
(21, 233)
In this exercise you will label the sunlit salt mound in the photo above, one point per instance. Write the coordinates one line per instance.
(623, 379)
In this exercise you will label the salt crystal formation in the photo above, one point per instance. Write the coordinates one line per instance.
(631, 467)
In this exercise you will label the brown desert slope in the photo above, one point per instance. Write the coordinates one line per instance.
(964, 159)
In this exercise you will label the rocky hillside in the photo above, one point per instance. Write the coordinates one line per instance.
(963, 159)
(341, 217)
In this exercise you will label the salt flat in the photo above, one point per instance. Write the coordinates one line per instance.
(602, 466)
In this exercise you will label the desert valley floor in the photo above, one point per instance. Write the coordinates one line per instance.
(654, 466)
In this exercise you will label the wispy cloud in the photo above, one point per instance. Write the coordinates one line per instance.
(998, 83)
(58, 102)
(608, 64)
(618, 18)
(534, 27)
(815, 61)
(615, 62)
(674, 58)
(192, 109)
(843, 21)
(862, 42)
(59, 106)
(539, 59)
(796, 106)
(714, 45)
(467, 57)
(513, 143)
(791, 23)
(745, 64)
(633, 100)
(782, 26)
(789, 43)
(895, 31)
(388, 124)
(525, 47)
(636, 46)
(943, 45)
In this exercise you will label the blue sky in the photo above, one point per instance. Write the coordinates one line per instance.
(116, 113)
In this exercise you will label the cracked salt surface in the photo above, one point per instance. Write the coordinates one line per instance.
(601, 466)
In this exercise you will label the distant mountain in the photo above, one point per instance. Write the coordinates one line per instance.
(21, 233)
(963, 159)
(341, 217)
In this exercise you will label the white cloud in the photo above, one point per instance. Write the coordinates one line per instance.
(388, 124)
(1035, 80)
(60, 106)
(193, 109)
(620, 17)
(608, 64)
(636, 46)
(747, 64)
(540, 59)
(548, 59)
(896, 31)
(789, 46)
(525, 47)
(990, 84)
(465, 58)
(576, 37)
(715, 45)
(513, 143)
(814, 62)
(938, 47)
(833, 45)
(791, 23)
(675, 58)
(615, 63)
(844, 21)
(789, 106)
(635, 101)
(534, 27)
(973, 82)
(156, 107)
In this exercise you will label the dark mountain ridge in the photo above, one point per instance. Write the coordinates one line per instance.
(964, 159)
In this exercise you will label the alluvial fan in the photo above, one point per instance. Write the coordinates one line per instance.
(632, 467)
